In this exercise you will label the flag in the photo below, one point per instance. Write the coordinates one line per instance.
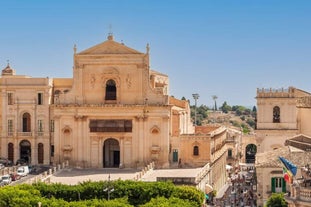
(288, 176)
(289, 166)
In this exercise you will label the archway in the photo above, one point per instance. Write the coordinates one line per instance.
(111, 153)
(25, 150)
(250, 153)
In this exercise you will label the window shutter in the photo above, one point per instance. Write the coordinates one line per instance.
(283, 185)
(273, 185)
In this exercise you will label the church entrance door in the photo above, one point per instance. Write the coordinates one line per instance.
(111, 153)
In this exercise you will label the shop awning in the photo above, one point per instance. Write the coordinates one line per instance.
(208, 188)
(228, 167)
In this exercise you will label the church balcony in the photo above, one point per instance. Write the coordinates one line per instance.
(24, 134)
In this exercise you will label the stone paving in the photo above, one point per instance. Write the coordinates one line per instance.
(180, 172)
(72, 176)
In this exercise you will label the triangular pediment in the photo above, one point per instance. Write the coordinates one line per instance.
(109, 47)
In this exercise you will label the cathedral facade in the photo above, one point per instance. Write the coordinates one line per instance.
(114, 112)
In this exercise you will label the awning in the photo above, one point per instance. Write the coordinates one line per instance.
(208, 188)
(228, 167)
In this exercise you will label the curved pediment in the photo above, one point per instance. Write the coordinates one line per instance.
(109, 47)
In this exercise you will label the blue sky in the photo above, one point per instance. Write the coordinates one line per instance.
(227, 48)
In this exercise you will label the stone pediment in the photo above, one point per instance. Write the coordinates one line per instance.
(109, 47)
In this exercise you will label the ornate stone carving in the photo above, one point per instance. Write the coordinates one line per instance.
(92, 80)
(155, 149)
(67, 148)
(128, 81)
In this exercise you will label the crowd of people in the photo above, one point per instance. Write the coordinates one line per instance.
(240, 192)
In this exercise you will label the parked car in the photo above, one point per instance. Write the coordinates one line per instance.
(15, 176)
(21, 162)
(1, 182)
(23, 171)
(5, 161)
(6, 179)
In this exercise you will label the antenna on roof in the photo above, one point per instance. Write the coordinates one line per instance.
(8, 61)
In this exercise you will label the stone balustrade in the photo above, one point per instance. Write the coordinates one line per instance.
(305, 194)
(139, 175)
(298, 194)
(203, 172)
(46, 176)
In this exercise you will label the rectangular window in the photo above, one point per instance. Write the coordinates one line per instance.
(52, 125)
(10, 127)
(175, 155)
(52, 150)
(111, 125)
(40, 98)
(277, 184)
(229, 153)
(10, 98)
(40, 125)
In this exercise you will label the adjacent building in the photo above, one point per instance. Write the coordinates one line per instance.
(282, 117)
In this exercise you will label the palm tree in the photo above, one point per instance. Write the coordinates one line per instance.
(214, 98)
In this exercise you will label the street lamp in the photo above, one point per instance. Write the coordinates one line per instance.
(196, 97)
(109, 189)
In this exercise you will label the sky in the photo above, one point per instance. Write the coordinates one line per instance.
(227, 48)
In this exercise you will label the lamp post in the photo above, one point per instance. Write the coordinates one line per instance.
(196, 97)
(109, 188)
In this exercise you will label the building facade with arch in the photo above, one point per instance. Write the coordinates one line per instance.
(25, 117)
(282, 115)
(277, 116)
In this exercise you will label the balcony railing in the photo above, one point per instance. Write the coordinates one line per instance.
(24, 134)
(305, 194)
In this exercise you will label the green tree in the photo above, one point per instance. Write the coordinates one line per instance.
(201, 113)
(251, 123)
(276, 200)
(225, 107)
(214, 98)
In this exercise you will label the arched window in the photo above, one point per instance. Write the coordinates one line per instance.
(276, 114)
(111, 90)
(26, 122)
(196, 150)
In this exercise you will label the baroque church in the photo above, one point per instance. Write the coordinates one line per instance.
(114, 112)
